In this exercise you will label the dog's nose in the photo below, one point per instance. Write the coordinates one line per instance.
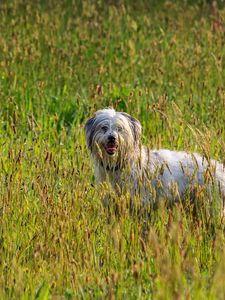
(111, 138)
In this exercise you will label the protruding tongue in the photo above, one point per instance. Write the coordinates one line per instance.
(111, 148)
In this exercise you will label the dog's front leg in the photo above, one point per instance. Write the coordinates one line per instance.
(104, 185)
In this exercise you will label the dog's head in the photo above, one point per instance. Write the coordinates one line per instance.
(112, 135)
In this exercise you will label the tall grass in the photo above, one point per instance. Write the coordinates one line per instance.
(162, 62)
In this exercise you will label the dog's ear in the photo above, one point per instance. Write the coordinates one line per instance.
(89, 131)
(135, 126)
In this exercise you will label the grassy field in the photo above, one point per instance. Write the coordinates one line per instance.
(161, 61)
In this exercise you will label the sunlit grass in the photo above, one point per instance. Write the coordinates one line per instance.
(162, 62)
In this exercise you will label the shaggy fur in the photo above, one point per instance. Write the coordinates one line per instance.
(114, 141)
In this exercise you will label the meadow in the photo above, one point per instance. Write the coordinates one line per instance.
(160, 61)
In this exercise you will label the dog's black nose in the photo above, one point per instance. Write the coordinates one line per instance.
(111, 138)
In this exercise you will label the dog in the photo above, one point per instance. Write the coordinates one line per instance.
(114, 140)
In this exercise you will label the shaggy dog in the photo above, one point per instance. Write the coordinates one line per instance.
(114, 139)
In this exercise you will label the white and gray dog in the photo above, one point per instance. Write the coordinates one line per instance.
(114, 139)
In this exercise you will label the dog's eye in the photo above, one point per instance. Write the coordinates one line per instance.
(119, 128)
(104, 128)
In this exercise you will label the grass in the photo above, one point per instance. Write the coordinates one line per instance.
(162, 62)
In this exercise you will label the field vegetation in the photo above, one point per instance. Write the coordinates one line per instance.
(160, 61)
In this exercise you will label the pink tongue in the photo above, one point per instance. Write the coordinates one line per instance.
(111, 148)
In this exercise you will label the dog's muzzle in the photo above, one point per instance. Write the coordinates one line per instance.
(111, 146)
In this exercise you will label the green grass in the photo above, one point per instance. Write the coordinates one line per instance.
(162, 62)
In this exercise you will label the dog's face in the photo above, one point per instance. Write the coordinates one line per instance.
(112, 135)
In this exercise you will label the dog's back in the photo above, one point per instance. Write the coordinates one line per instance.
(185, 169)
